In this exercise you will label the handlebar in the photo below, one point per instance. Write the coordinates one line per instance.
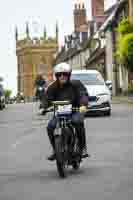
(51, 109)
(56, 103)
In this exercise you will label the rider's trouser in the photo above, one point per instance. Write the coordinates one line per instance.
(78, 122)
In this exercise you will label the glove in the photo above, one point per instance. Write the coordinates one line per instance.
(82, 109)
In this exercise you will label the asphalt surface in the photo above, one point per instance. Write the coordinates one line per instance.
(26, 174)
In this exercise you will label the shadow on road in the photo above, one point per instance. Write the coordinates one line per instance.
(49, 175)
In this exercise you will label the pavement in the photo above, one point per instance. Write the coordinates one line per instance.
(122, 99)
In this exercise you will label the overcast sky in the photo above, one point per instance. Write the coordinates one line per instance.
(38, 13)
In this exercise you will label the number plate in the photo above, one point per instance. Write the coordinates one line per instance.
(64, 109)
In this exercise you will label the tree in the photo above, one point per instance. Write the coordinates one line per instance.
(7, 93)
(124, 50)
(125, 27)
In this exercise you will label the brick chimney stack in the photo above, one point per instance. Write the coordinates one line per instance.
(98, 11)
(80, 19)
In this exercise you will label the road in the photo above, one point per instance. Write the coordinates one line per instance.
(25, 173)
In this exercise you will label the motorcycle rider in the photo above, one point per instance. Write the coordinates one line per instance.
(40, 82)
(22, 97)
(65, 89)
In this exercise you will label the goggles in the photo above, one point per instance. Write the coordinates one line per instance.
(59, 74)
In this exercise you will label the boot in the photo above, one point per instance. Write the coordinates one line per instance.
(82, 141)
(43, 112)
(84, 153)
(52, 156)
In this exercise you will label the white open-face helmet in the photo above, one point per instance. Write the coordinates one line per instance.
(62, 67)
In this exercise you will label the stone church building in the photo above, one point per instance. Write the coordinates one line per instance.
(34, 56)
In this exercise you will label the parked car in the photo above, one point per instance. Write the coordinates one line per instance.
(99, 93)
(2, 99)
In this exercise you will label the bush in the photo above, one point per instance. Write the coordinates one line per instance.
(130, 87)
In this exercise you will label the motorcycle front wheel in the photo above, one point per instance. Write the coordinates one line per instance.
(59, 157)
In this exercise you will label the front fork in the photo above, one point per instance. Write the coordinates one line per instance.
(65, 130)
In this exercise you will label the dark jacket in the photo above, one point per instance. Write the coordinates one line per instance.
(74, 91)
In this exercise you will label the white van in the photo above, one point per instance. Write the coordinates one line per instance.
(99, 94)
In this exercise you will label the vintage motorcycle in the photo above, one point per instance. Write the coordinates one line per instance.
(40, 95)
(66, 140)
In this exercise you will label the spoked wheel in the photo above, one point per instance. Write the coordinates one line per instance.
(61, 169)
(59, 157)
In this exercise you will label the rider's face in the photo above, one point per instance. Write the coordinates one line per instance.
(62, 77)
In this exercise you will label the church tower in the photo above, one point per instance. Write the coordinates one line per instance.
(34, 56)
(80, 19)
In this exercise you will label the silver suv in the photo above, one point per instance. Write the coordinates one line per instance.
(99, 93)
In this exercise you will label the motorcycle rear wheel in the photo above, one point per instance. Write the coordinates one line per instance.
(76, 165)
(59, 157)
